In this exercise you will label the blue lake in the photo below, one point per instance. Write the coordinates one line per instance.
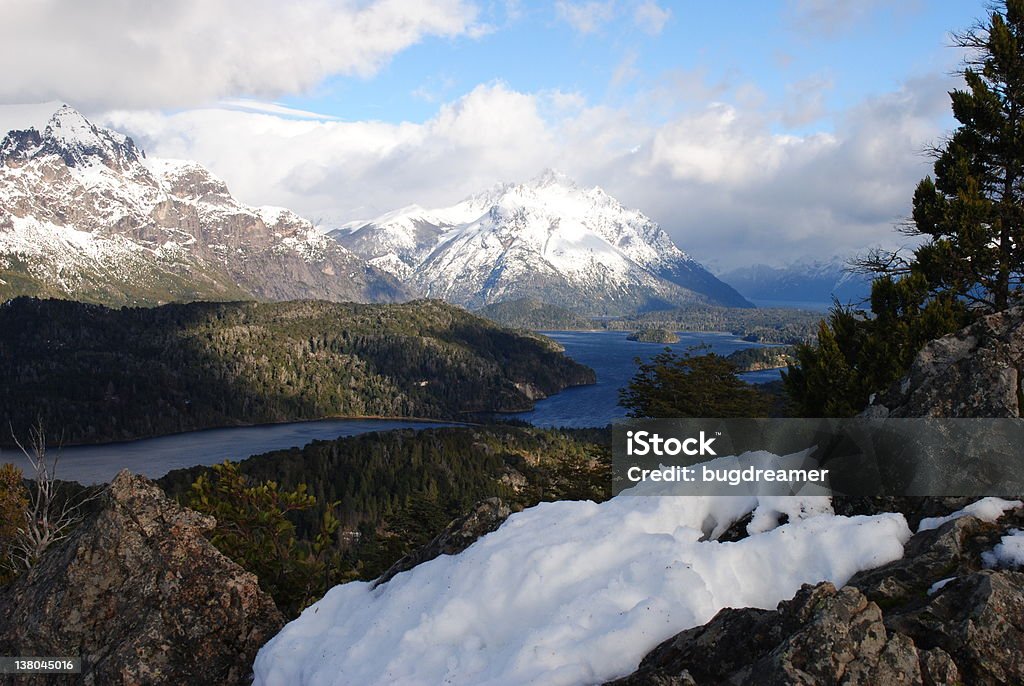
(613, 358)
(154, 457)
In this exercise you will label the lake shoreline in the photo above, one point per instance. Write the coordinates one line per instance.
(249, 425)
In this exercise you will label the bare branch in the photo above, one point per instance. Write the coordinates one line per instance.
(880, 262)
(49, 518)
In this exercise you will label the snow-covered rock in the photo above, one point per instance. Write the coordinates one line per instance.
(569, 593)
(987, 510)
(84, 214)
(548, 239)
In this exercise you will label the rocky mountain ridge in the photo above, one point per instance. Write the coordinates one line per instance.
(548, 239)
(85, 215)
(801, 281)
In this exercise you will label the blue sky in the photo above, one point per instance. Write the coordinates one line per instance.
(774, 47)
(752, 131)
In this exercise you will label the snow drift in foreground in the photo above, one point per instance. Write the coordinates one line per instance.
(570, 593)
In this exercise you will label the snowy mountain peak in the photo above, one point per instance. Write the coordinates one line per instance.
(78, 139)
(69, 126)
(545, 238)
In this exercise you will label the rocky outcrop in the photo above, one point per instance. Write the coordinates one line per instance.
(975, 372)
(934, 617)
(485, 517)
(141, 596)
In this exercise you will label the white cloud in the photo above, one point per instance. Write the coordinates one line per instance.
(720, 178)
(585, 17)
(338, 171)
(186, 52)
(651, 17)
(273, 108)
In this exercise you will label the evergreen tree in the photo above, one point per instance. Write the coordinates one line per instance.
(972, 212)
(254, 529)
(856, 355)
(690, 385)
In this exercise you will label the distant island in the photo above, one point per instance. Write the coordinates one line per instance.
(653, 336)
(758, 325)
(756, 359)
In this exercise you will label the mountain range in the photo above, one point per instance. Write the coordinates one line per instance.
(85, 215)
(803, 281)
(547, 239)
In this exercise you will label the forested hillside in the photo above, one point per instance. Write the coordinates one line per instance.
(396, 490)
(94, 374)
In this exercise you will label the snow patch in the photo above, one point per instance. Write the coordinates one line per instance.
(987, 510)
(568, 593)
(939, 585)
(1007, 553)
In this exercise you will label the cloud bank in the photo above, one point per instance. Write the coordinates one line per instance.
(719, 178)
(179, 53)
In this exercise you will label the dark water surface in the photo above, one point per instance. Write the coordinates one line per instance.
(613, 358)
(154, 457)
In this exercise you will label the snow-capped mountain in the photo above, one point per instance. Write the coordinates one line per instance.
(84, 215)
(548, 239)
(806, 281)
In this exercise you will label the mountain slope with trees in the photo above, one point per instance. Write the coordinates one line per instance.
(391, 492)
(94, 374)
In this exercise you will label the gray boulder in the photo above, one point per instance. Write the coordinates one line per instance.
(141, 596)
(974, 372)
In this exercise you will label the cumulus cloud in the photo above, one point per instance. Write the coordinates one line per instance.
(651, 17)
(719, 177)
(740, 194)
(334, 171)
(184, 52)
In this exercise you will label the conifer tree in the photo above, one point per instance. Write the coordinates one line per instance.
(691, 385)
(971, 217)
(971, 213)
